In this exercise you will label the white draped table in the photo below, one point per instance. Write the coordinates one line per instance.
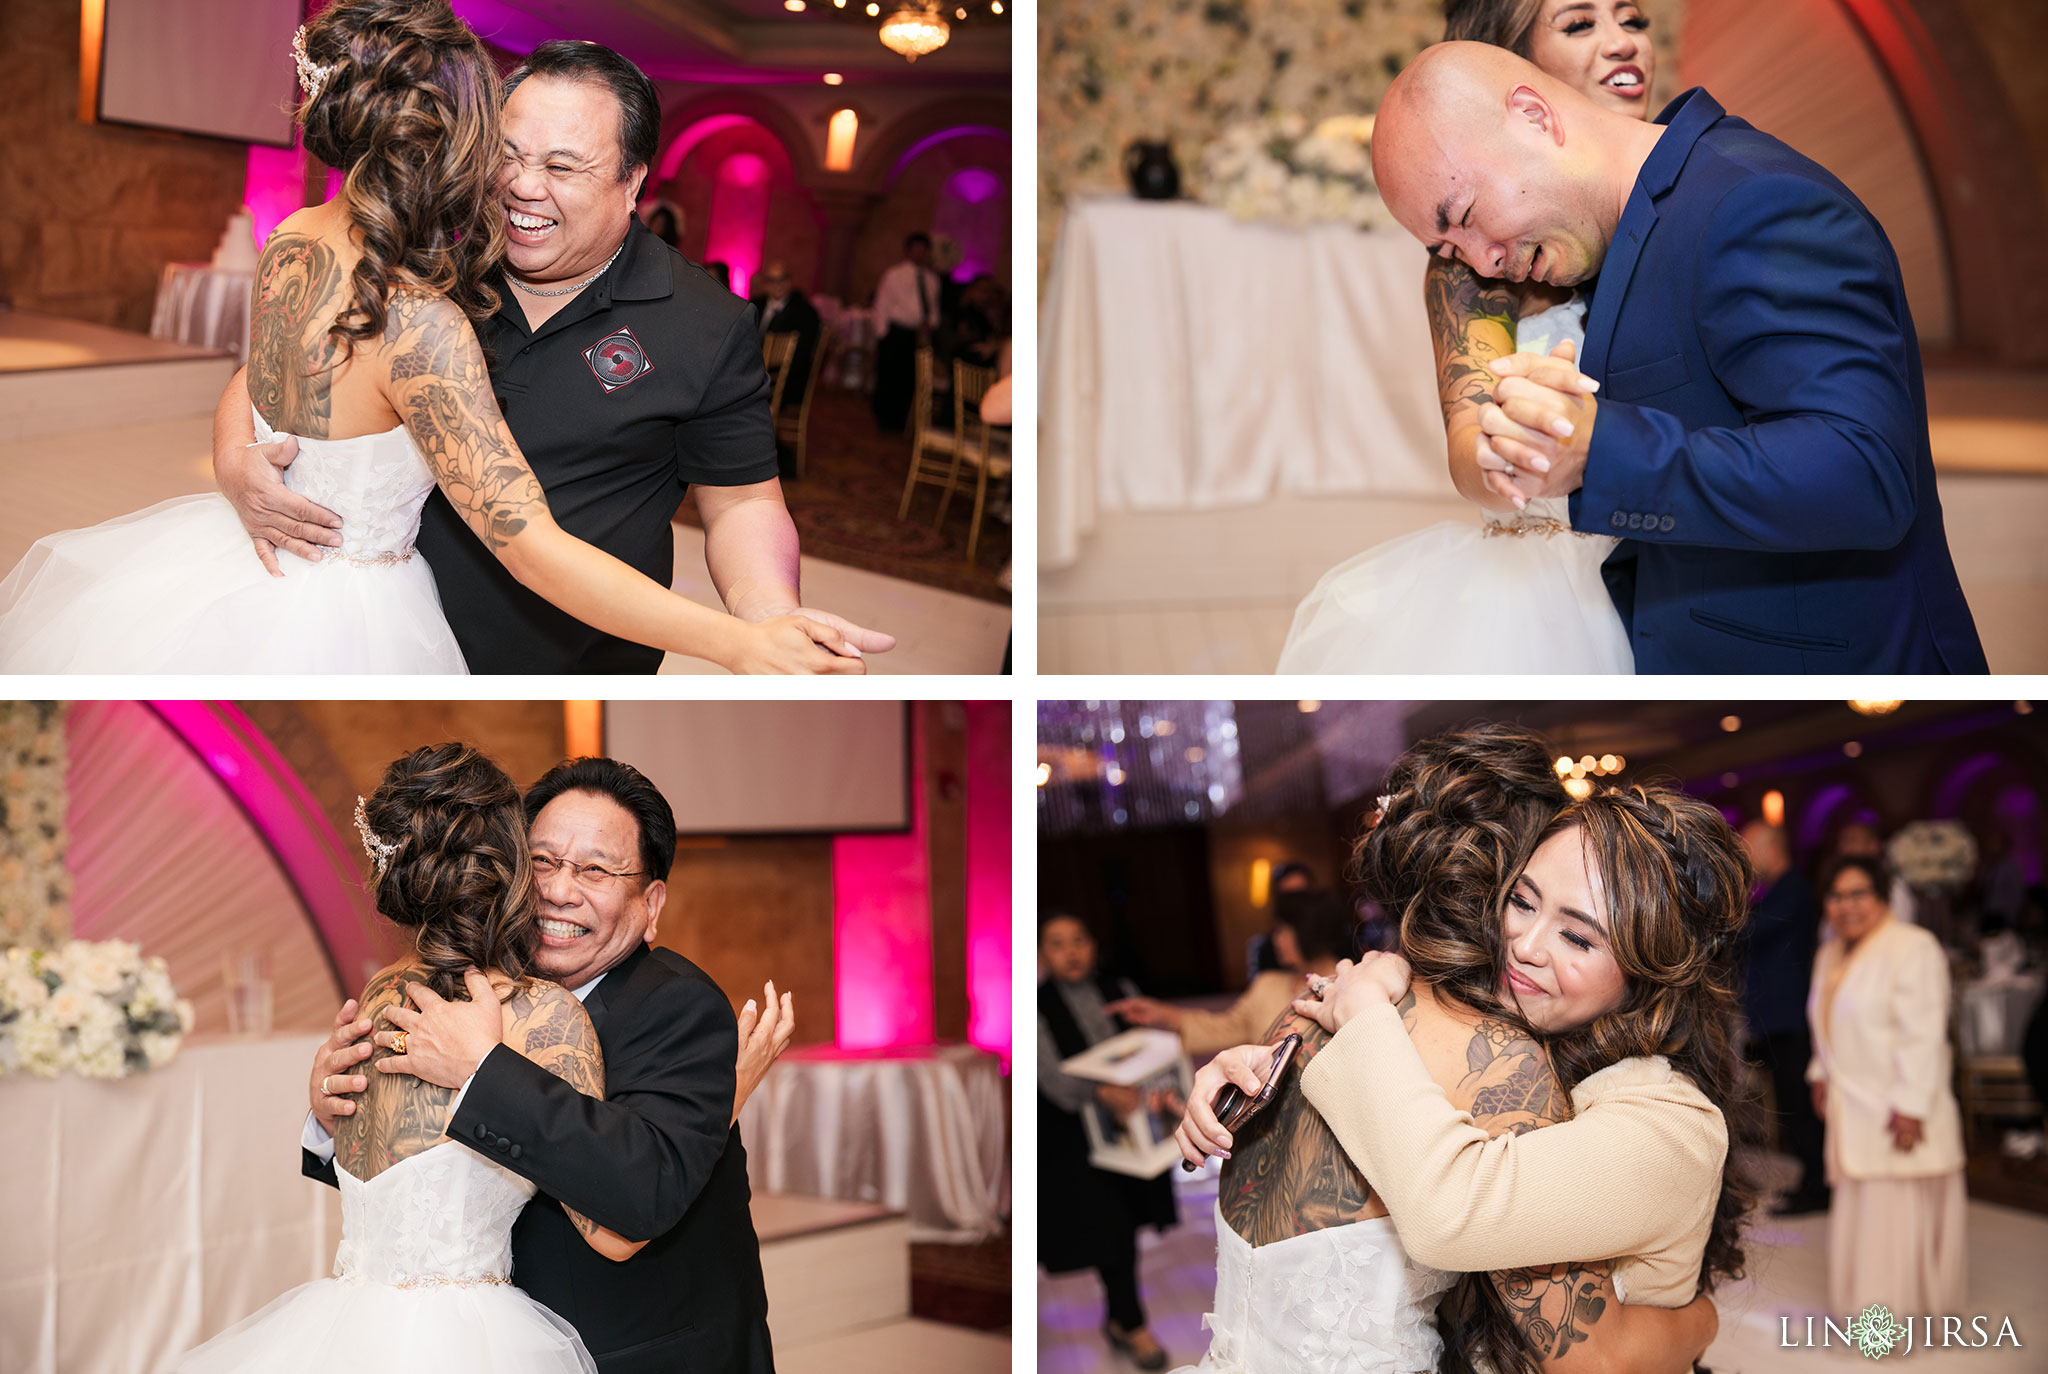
(144, 1215)
(923, 1130)
(1190, 362)
(197, 303)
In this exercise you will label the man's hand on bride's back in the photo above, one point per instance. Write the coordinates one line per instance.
(251, 476)
(334, 1065)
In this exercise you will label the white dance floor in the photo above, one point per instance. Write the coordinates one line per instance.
(1787, 1277)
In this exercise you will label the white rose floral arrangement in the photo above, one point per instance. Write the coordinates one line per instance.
(1933, 856)
(95, 1008)
(1280, 169)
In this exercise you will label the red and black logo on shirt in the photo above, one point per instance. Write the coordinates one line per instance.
(617, 359)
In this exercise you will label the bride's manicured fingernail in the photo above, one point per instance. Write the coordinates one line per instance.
(1540, 464)
(1588, 385)
(1561, 428)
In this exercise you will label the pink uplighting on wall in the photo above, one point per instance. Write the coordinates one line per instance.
(988, 876)
(274, 187)
(739, 217)
(973, 210)
(290, 820)
(671, 160)
(882, 929)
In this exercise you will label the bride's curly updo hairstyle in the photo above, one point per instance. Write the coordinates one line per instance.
(408, 111)
(1462, 816)
(461, 875)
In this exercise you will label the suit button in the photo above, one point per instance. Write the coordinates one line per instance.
(501, 1143)
(514, 1152)
(479, 1132)
(1635, 520)
(1618, 520)
(1667, 524)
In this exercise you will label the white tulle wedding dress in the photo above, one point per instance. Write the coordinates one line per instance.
(1346, 1300)
(177, 588)
(420, 1282)
(1516, 593)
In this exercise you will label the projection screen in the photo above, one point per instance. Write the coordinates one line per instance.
(736, 767)
(216, 67)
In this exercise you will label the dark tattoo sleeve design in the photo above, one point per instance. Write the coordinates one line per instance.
(1471, 322)
(1556, 1308)
(1509, 1082)
(396, 1116)
(298, 287)
(550, 1027)
(442, 390)
(1287, 1175)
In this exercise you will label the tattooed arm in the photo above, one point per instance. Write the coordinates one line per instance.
(396, 1116)
(1471, 322)
(549, 1026)
(440, 388)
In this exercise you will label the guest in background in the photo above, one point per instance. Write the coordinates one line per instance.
(722, 271)
(1784, 925)
(1311, 932)
(1880, 1075)
(784, 309)
(663, 224)
(1260, 956)
(1088, 1218)
(1861, 837)
(982, 327)
(906, 311)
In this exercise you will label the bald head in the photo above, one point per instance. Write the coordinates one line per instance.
(1479, 152)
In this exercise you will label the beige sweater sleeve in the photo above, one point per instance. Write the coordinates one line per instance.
(1635, 1174)
(1245, 1021)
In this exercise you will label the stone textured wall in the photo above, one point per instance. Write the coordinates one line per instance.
(1184, 69)
(94, 211)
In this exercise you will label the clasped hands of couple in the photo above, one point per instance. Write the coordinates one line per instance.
(276, 517)
(1535, 432)
(445, 1042)
(1375, 978)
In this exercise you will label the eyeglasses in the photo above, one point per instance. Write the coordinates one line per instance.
(589, 877)
(1854, 894)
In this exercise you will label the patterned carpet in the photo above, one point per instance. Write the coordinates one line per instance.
(845, 507)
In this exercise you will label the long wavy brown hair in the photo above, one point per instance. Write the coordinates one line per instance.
(409, 113)
(1503, 23)
(1463, 814)
(461, 878)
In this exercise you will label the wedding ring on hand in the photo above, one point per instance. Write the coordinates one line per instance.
(1316, 984)
(398, 1042)
(323, 1085)
(1510, 470)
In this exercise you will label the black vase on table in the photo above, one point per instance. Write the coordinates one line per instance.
(1150, 170)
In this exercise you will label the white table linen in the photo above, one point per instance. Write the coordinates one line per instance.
(922, 1130)
(1191, 362)
(145, 1215)
(200, 304)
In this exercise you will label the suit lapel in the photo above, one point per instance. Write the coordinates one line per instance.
(614, 982)
(1686, 118)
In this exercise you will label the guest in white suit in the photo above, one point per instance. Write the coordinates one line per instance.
(1880, 1075)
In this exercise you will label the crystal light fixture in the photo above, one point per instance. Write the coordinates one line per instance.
(915, 31)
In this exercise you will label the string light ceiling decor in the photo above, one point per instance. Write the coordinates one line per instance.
(1111, 765)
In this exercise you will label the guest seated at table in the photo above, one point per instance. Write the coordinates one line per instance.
(1311, 932)
(982, 324)
(781, 307)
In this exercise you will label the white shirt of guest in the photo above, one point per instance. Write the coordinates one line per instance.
(315, 1138)
(896, 299)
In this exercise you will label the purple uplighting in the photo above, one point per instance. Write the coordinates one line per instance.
(671, 160)
(931, 141)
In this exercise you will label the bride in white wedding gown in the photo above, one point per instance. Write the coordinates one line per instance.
(423, 1275)
(1518, 591)
(362, 346)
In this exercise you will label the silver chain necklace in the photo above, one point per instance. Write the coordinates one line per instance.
(563, 291)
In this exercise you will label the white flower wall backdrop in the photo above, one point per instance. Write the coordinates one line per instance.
(35, 887)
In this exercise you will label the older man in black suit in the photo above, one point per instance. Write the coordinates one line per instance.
(659, 1159)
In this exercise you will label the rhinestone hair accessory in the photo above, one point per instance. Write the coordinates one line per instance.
(380, 853)
(312, 76)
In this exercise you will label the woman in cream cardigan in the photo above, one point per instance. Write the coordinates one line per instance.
(1880, 1075)
(1614, 946)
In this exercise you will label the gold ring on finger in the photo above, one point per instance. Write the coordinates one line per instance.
(323, 1085)
(398, 1042)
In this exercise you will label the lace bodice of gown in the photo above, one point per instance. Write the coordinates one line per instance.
(1540, 333)
(376, 483)
(1347, 1300)
(443, 1216)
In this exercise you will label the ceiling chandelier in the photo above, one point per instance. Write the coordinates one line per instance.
(915, 31)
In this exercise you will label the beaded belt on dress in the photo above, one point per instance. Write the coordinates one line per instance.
(431, 1281)
(1545, 527)
(366, 560)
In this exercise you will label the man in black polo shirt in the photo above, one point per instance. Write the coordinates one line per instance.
(626, 375)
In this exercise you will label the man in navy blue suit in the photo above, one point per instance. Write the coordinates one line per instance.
(1759, 438)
